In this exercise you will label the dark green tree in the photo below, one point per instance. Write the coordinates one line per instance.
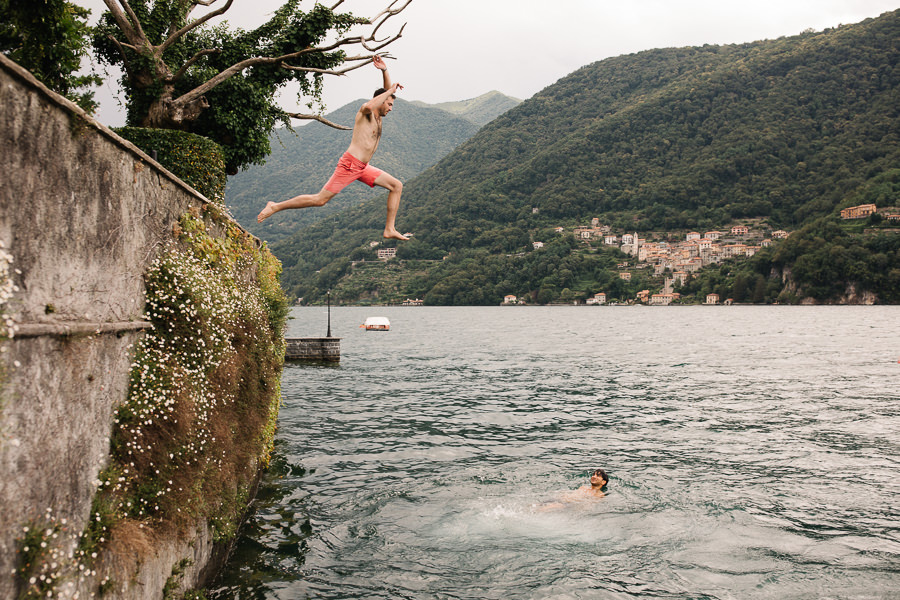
(760, 289)
(49, 38)
(183, 73)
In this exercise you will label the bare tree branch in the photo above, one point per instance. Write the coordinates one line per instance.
(390, 11)
(122, 46)
(383, 43)
(320, 119)
(367, 59)
(224, 75)
(387, 13)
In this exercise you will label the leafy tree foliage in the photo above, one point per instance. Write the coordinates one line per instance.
(182, 73)
(194, 159)
(49, 38)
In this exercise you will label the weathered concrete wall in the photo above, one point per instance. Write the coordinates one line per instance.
(83, 213)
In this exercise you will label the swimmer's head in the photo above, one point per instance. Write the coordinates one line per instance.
(380, 91)
(599, 478)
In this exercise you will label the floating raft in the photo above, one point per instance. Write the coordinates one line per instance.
(377, 324)
(320, 348)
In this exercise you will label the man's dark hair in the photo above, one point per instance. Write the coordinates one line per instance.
(601, 473)
(380, 91)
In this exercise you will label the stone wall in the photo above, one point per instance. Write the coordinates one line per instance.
(83, 213)
(327, 348)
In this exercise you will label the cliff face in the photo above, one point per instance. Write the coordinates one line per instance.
(83, 216)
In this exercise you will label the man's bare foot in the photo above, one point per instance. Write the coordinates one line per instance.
(393, 234)
(266, 212)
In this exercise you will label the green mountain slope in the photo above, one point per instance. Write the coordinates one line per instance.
(788, 131)
(416, 135)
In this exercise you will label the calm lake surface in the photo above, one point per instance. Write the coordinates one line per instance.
(753, 452)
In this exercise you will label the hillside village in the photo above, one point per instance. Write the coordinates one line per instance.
(682, 258)
(672, 258)
(677, 258)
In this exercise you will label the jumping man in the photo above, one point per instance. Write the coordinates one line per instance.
(354, 164)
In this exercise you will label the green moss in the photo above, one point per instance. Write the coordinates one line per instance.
(175, 578)
(224, 522)
(103, 516)
(196, 160)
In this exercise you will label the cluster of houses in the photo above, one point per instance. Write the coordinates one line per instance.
(688, 256)
(644, 296)
(678, 258)
(864, 210)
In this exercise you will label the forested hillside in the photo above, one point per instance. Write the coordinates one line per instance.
(785, 131)
(416, 135)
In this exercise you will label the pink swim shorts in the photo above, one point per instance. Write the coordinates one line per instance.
(348, 170)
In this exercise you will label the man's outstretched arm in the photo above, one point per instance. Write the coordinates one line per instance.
(382, 66)
(391, 89)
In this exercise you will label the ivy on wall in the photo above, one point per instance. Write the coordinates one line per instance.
(196, 160)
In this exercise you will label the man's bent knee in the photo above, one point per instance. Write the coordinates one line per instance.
(389, 182)
(322, 198)
(395, 186)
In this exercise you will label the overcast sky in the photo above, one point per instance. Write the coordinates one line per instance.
(460, 49)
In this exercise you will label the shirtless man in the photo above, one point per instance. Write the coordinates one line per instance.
(354, 164)
(599, 479)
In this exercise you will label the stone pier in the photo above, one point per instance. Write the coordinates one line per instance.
(309, 348)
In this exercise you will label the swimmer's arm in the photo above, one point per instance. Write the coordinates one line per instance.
(549, 506)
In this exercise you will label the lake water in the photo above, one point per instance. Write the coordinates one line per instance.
(753, 452)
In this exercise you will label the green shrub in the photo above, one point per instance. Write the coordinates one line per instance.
(196, 160)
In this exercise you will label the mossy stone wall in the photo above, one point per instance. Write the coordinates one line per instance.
(84, 215)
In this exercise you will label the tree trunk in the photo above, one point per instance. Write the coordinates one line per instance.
(166, 113)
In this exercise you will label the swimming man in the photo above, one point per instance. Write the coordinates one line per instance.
(599, 479)
(354, 164)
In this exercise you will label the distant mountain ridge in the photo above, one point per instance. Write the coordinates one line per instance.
(416, 135)
(785, 131)
(481, 110)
